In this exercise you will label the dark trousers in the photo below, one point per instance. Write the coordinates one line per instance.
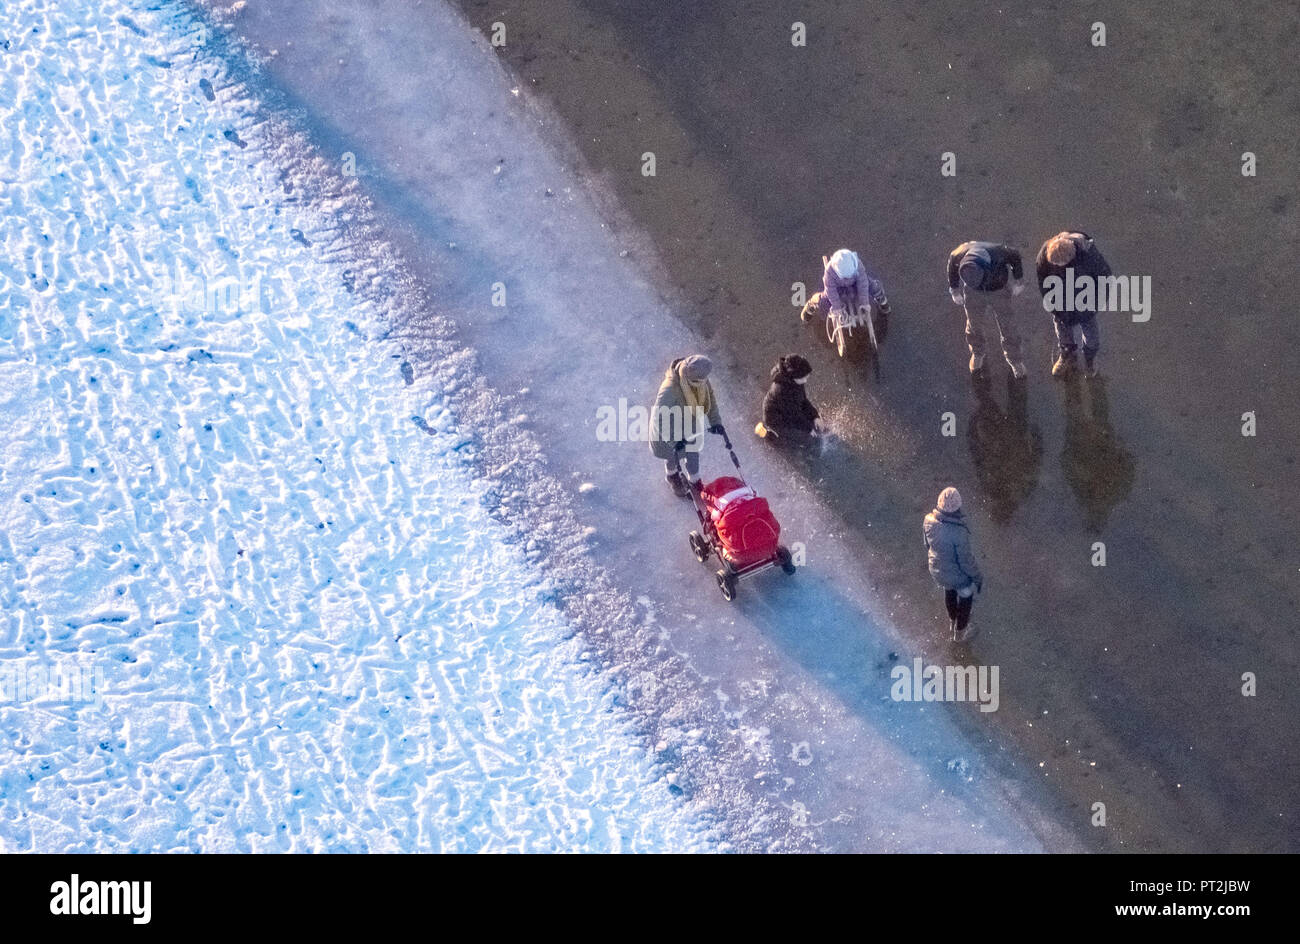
(958, 607)
(1087, 327)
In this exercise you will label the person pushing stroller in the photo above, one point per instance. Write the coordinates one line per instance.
(684, 408)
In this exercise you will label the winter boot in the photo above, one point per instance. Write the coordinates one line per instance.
(1065, 364)
(976, 362)
(1017, 369)
(1090, 365)
(677, 482)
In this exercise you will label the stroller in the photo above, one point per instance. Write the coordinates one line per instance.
(738, 526)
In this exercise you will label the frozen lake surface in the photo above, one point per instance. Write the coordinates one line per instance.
(228, 507)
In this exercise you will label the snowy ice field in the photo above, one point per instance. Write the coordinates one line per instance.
(306, 631)
(334, 603)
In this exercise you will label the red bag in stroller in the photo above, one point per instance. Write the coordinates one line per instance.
(737, 526)
(746, 528)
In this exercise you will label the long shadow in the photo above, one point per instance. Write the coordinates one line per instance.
(1099, 469)
(1006, 450)
(834, 640)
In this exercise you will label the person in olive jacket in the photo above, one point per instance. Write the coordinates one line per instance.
(684, 408)
(789, 418)
(952, 562)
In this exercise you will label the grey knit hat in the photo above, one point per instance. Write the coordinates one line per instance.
(696, 368)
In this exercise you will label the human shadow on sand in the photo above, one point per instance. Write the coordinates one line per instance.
(1097, 466)
(1006, 450)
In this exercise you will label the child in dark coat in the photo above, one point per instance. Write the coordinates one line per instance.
(788, 416)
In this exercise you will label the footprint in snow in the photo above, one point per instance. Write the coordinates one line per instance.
(408, 373)
(299, 237)
(131, 25)
(206, 87)
(233, 137)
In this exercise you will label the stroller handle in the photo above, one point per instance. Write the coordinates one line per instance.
(726, 441)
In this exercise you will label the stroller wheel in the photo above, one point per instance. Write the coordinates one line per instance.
(786, 561)
(727, 584)
(699, 547)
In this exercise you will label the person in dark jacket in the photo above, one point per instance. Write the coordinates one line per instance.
(789, 418)
(952, 562)
(983, 277)
(1072, 250)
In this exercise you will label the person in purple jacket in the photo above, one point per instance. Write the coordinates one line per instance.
(846, 282)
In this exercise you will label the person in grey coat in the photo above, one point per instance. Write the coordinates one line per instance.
(952, 562)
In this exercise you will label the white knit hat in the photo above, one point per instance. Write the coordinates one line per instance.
(845, 263)
(950, 499)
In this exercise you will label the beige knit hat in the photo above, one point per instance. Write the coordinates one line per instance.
(950, 499)
(696, 368)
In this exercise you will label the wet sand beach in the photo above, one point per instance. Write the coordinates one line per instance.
(1122, 683)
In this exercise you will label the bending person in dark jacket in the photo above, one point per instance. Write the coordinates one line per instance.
(983, 278)
(1072, 250)
(788, 416)
(952, 562)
